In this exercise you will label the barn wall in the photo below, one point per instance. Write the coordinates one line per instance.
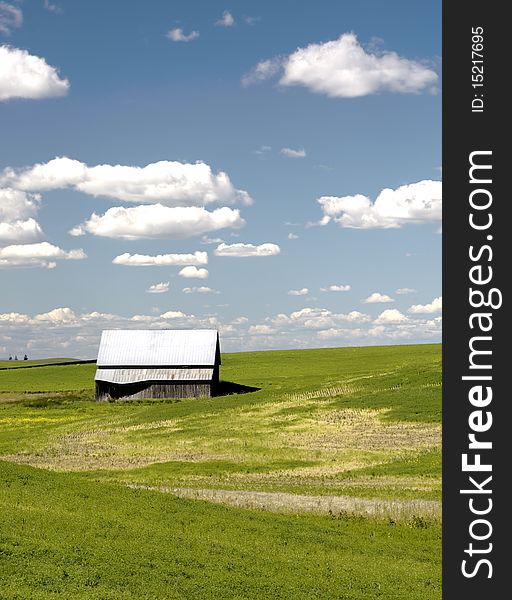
(148, 389)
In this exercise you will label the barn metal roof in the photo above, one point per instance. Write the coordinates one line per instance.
(137, 375)
(162, 347)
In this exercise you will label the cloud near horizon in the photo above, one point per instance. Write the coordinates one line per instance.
(436, 306)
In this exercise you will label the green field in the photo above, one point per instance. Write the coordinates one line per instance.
(323, 483)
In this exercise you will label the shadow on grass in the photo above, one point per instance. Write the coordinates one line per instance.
(226, 388)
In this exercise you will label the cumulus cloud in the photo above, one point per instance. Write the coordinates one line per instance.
(291, 153)
(193, 272)
(17, 205)
(343, 68)
(20, 231)
(156, 220)
(158, 288)
(172, 314)
(293, 236)
(11, 18)
(301, 292)
(57, 315)
(435, 306)
(390, 315)
(244, 250)
(177, 35)
(202, 289)
(170, 183)
(42, 254)
(261, 329)
(161, 260)
(226, 20)
(414, 203)
(403, 291)
(377, 297)
(336, 288)
(23, 75)
(17, 210)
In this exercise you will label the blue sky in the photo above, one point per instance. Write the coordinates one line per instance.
(260, 133)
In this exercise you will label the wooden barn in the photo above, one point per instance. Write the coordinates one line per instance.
(166, 363)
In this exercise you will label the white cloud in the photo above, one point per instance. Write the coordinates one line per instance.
(414, 203)
(171, 183)
(342, 68)
(227, 20)
(16, 211)
(336, 288)
(346, 333)
(155, 220)
(434, 307)
(20, 231)
(261, 329)
(377, 297)
(158, 288)
(17, 205)
(244, 250)
(199, 290)
(177, 35)
(240, 321)
(403, 291)
(41, 254)
(263, 70)
(390, 315)
(193, 272)
(301, 292)
(11, 17)
(161, 260)
(207, 240)
(57, 315)
(172, 314)
(291, 153)
(293, 236)
(23, 75)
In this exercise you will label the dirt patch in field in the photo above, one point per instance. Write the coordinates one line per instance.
(399, 510)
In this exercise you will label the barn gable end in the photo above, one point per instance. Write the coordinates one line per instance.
(168, 363)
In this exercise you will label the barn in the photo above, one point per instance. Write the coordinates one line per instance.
(166, 363)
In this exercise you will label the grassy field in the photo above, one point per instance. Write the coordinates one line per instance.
(327, 479)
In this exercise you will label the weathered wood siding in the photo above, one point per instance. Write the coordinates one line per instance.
(148, 389)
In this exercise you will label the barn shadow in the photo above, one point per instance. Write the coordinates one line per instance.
(226, 388)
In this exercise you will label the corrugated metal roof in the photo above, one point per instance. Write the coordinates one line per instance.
(136, 375)
(162, 347)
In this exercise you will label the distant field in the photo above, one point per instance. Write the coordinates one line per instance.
(349, 439)
(15, 364)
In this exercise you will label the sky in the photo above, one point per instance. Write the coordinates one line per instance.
(268, 169)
